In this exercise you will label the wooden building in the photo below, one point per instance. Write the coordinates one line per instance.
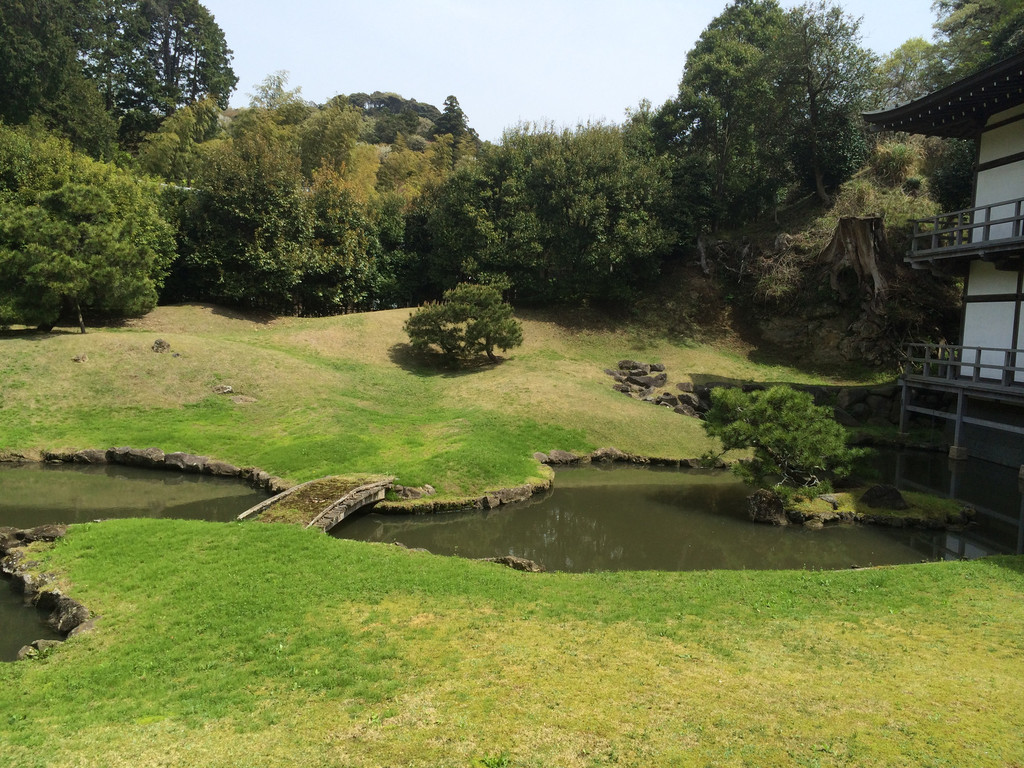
(982, 378)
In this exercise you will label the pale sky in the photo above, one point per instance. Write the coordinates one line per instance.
(560, 61)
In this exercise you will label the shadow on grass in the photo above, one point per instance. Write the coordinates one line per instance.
(33, 334)
(433, 364)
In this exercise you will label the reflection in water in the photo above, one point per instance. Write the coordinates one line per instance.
(34, 494)
(993, 490)
(627, 518)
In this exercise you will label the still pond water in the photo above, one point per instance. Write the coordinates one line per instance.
(628, 518)
(614, 518)
(34, 494)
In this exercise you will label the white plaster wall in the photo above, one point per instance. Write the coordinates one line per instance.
(987, 324)
(998, 185)
(986, 280)
(1001, 142)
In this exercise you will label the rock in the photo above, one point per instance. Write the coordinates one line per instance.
(142, 457)
(48, 532)
(844, 418)
(884, 497)
(161, 346)
(90, 456)
(82, 358)
(541, 457)
(628, 365)
(8, 538)
(657, 367)
(186, 462)
(661, 379)
(608, 454)
(642, 380)
(850, 396)
(879, 405)
(828, 498)
(58, 457)
(86, 626)
(766, 506)
(518, 563)
(686, 410)
(223, 389)
(26, 652)
(562, 457)
(610, 372)
(409, 493)
(813, 524)
(684, 386)
(67, 614)
(666, 398)
(45, 645)
(888, 391)
(623, 388)
(20, 456)
(221, 469)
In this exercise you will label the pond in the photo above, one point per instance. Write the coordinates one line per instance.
(628, 518)
(34, 494)
(595, 519)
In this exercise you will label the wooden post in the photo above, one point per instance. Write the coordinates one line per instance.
(904, 397)
(958, 450)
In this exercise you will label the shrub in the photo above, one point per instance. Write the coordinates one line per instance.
(469, 320)
(894, 162)
(795, 442)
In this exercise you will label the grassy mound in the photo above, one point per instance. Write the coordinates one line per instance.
(242, 644)
(343, 396)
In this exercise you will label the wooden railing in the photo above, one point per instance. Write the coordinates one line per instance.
(956, 366)
(972, 229)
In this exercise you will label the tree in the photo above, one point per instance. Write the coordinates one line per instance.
(173, 151)
(723, 128)
(469, 320)
(151, 57)
(975, 33)
(327, 137)
(906, 73)
(826, 74)
(569, 217)
(795, 442)
(42, 77)
(76, 235)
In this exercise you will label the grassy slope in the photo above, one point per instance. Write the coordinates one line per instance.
(240, 644)
(337, 395)
(228, 645)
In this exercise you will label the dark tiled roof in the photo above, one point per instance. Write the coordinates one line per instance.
(961, 109)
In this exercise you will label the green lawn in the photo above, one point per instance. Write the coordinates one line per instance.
(340, 396)
(268, 645)
(256, 645)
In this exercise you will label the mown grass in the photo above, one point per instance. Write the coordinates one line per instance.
(242, 644)
(263, 645)
(341, 396)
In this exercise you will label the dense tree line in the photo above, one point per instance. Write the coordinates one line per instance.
(376, 200)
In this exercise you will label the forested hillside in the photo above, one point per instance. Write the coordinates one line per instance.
(124, 180)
